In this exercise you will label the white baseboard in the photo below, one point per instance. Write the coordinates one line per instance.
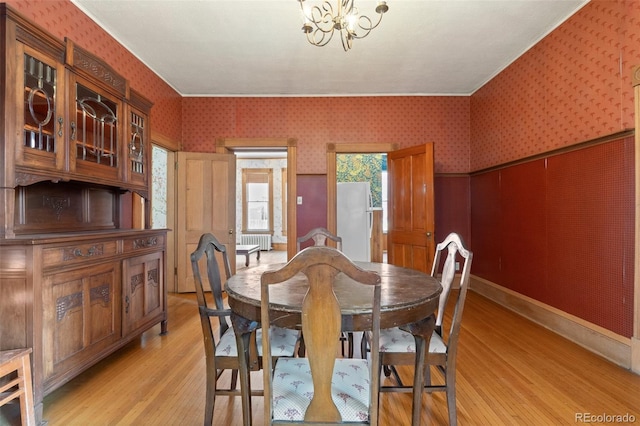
(616, 348)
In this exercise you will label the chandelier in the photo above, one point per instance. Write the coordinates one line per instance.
(321, 21)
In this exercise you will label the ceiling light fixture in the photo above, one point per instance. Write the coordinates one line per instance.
(320, 22)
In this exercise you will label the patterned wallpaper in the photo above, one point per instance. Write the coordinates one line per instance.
(63, 19)
(314, 122)
(574, 85)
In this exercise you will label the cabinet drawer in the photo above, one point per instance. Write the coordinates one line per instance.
(146, 242)
(78, 253)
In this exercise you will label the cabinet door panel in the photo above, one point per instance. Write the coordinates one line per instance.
(67, 337)
(143, 292)
(80, 316)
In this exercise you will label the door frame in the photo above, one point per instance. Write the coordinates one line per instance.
(228, 145)
(332, 179)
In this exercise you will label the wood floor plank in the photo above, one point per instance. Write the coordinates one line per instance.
(510, 372)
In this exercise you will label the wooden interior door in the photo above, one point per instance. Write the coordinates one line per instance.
(205, 203)
(411, 207)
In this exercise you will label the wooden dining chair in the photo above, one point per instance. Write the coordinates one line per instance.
(16, 383)
(319, 236)
(398, 347)
(321, 388)
(219, 338)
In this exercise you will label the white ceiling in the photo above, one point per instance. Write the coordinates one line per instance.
(257, 47)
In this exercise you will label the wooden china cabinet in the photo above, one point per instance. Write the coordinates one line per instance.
(77, 282)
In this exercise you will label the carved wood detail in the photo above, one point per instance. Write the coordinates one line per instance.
(153, 276)
(145, 242)
(57, 204)
(136, 281)
(73, 253)
(66, 303)
(91, 65)
(100, 294)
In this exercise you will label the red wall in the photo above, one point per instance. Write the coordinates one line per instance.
(560, 229)
(312, 213)
(572, 86)
(314, 122)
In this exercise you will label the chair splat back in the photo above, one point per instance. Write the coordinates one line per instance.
(321, 326)
(454, 245)
(319, 236)
(207, 248)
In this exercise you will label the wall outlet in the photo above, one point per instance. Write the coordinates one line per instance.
(457, 266)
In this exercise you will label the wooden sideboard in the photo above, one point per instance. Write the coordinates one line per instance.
(77, 281)
(75, 299)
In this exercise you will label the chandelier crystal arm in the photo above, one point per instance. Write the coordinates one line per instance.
(320, 22)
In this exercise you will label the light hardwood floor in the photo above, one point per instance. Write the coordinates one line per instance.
(510, 372)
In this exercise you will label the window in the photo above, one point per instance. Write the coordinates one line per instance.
(257, 200)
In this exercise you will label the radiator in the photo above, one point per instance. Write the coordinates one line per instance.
(264, 241)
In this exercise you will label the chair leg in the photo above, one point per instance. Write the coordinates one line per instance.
(210, 394)
(450, 377)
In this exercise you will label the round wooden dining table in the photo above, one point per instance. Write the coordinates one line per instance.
(409, 299)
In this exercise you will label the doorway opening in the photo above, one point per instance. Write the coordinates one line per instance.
(333, 151)
(261, 203)
(264, 145)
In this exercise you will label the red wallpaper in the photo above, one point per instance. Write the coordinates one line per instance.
(315, 122)
(452, 207)
(561, 231)
(573, 86)
(63, 19)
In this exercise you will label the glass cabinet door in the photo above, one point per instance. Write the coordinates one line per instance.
(40, 117)
(96, 128)
(95, 140)
(137, 148)
(39, 104)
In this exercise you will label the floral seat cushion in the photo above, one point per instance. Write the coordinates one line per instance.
(396, 340)
(283, 342)
(293, 389)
